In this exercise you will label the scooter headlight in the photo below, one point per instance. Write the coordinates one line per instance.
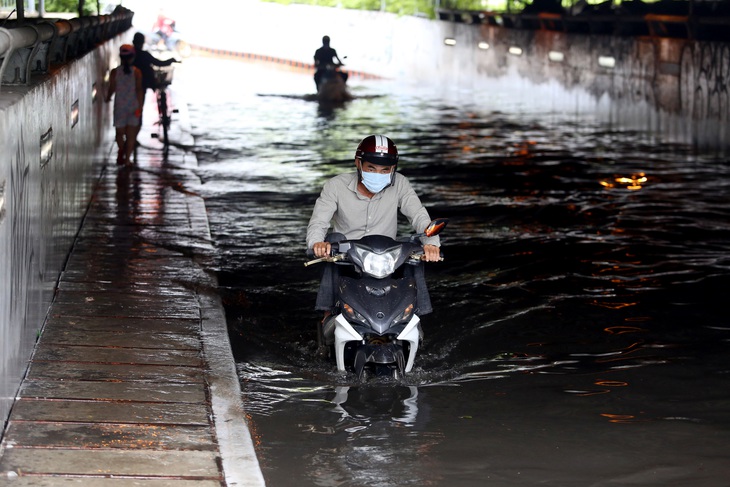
(378, 265)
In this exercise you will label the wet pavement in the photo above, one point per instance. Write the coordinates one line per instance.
(132, 381)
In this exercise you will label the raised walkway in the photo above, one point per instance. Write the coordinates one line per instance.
(132, 381)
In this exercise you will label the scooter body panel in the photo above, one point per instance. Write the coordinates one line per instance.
(375, 327)
(411, 334)
(379, 301)
(344, 333)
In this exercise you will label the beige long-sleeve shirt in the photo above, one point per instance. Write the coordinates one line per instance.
(347, 211)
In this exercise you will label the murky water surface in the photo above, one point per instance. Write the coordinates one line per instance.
(580, 335)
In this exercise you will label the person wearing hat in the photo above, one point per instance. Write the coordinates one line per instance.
(125, 84)
(367, 202)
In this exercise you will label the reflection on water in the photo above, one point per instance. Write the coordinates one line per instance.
(579, 315)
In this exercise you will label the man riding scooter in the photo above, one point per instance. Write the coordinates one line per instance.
(323, 57)
(366, 202)
(383, 308)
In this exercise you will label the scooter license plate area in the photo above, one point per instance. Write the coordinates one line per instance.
(382, 353)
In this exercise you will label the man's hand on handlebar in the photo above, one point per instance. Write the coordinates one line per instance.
(431, 253)
(322, 249)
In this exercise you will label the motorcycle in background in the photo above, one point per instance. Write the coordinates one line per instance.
(169, 39)
(332, 86)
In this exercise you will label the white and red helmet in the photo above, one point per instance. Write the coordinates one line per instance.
(377, 149)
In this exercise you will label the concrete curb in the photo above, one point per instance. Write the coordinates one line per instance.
(240, 465)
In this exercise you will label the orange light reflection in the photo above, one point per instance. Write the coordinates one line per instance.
(611, 383)
(612, 305)
(634, 182)
(619, 418)
(619, 330)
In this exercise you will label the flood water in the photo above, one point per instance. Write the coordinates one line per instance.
(579, 336)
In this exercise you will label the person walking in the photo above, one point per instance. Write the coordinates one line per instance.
(144, 61)
(125, 85)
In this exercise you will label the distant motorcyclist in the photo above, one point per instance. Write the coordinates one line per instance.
(323, 57)
(366, 202)
(163, 27)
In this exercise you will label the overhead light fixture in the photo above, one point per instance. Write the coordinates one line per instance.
(607, 61)
(515, 51)
(450, 41)
(483, 45)
(556, 56)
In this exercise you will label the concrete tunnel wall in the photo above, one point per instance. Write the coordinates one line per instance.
(53, 137)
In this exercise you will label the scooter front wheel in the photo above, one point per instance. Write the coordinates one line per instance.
(359, 364)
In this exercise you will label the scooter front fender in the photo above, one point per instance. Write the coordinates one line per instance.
(344, 332)
(411, 334)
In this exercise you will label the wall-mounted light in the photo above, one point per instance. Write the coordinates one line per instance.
(556, 56)
(94, 93)
(450, 41)
(46, 147)
(74, 114)
(483, 45)
(515, 51)
(607, 61)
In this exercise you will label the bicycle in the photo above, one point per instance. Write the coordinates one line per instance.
(163, 79)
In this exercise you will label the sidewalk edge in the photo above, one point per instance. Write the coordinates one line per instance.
(239, 462)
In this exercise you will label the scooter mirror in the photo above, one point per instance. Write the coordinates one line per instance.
(435, 227)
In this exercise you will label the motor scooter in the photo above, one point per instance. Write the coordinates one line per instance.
(332, 87)
(172, 43)
(374, 329)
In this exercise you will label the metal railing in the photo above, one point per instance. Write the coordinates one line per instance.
(7, 6)
(32, 46)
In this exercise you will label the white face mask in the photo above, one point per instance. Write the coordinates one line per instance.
(375, 182)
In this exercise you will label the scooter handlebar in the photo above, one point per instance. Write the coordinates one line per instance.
(420, 256)
(334, 258)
